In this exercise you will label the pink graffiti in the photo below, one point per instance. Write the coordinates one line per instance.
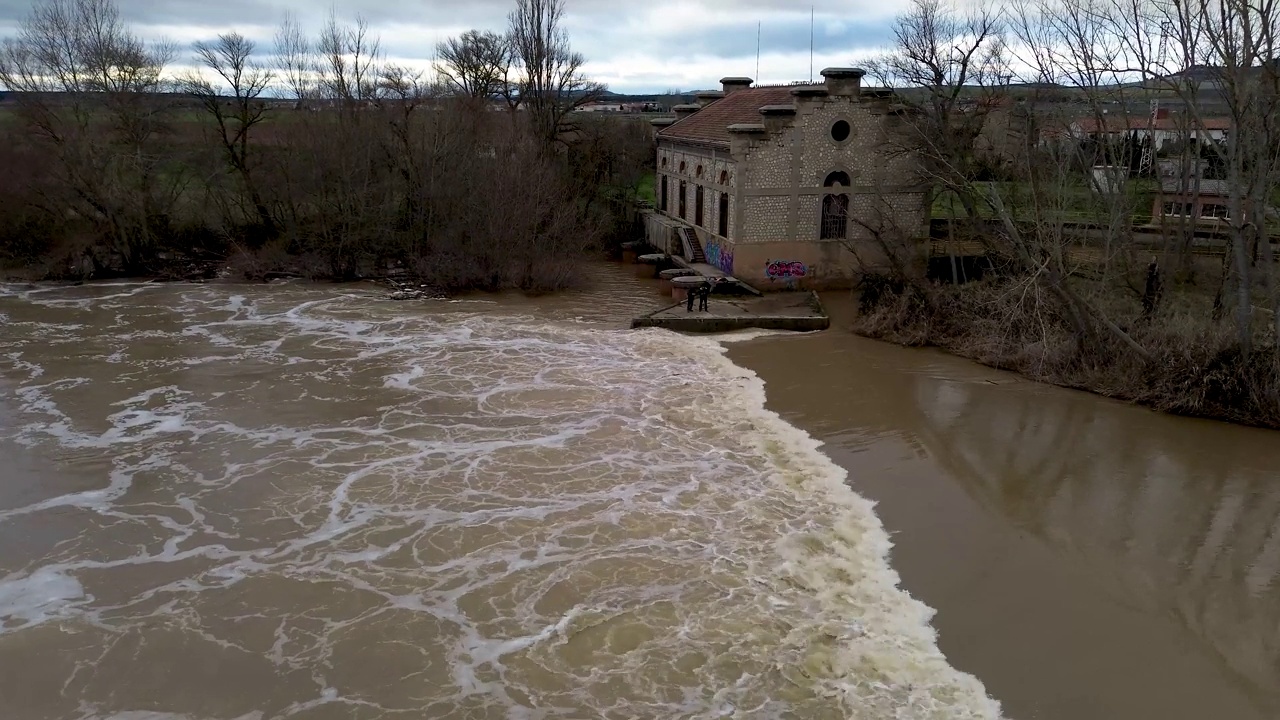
(784, 269)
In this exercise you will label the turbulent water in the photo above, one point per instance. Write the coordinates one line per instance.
(241, 502)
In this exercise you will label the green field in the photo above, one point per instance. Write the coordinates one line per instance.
(646, 191)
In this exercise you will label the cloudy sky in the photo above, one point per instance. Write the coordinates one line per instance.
(645, 46)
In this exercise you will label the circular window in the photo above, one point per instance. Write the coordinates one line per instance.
(840, 131)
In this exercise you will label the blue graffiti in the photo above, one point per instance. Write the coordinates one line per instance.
(720, 256)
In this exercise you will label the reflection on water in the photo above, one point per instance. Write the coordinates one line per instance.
(1156, 538)
(1184, 514)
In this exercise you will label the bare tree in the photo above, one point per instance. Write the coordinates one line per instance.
(230, 58)
(295, 60)
(349, 62)
(102, 124)
(950, 67)
(475, 64)
(552, 81)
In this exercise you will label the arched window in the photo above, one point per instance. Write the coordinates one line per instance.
(681, 166)
(724, 177)
(664, 162)
(835, 207)
(699, 171)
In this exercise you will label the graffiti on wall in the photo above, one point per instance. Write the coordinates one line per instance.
(785, 269)
(720, 255)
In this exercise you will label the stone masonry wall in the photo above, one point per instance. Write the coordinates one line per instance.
(718, 176)
(784, 173)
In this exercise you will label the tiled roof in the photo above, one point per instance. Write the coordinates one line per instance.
(710, 124)
(1118, 123)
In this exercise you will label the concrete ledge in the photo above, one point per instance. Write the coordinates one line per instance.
(799, 312)
(704, 323)
(810, 91)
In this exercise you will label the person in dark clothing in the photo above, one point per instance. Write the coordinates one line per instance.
(688, 304)
(704, 292)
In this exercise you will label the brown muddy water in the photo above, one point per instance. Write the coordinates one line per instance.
(232, 502)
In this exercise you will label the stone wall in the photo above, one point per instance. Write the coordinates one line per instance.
(660, 232)
(718, 175)
(784, 172)
(774, 183)
(801, 264)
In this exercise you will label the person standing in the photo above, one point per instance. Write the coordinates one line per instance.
(704, 293)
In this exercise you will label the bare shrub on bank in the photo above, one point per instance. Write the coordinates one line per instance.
(367, 170)
(87, 92)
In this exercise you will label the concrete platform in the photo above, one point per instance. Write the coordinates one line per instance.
(799, 311)
(711, 271)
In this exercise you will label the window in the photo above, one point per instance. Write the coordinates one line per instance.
(1214, 210)
(697, 206)
(683, 195)
(835, 208)
(724, 177)
(664, 161)
(662, 197)
(1177, 209)
(682, 166)
(699, 171)
(724, 215)
(835, 217)
(840, 131)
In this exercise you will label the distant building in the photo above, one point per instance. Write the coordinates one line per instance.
(1163, 129)
(774, 184)
(1187, 195)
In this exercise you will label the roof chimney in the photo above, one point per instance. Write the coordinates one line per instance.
(684, 111)
(777, 116)
(843, 82)
(708, 97)
(731, 85)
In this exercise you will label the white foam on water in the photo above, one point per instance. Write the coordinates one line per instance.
(886, 662)
(736, 336)
(549, 515)
(34, 598)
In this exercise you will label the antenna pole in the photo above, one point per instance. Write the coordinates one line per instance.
(811, 44)
(758, 53)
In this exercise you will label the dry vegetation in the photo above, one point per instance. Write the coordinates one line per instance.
(364, 170)
(1163, 319)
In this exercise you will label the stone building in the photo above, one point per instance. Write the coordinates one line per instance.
(775, 184)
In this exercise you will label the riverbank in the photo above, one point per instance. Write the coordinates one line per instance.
(1086, 558)
(1180, 361)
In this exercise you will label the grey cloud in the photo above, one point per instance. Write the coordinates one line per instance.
(601, 29)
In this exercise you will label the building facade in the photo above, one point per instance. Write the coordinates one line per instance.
(781, 184)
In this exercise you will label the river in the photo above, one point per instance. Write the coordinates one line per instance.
(228, 502)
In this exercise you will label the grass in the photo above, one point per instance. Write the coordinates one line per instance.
(646, 191)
